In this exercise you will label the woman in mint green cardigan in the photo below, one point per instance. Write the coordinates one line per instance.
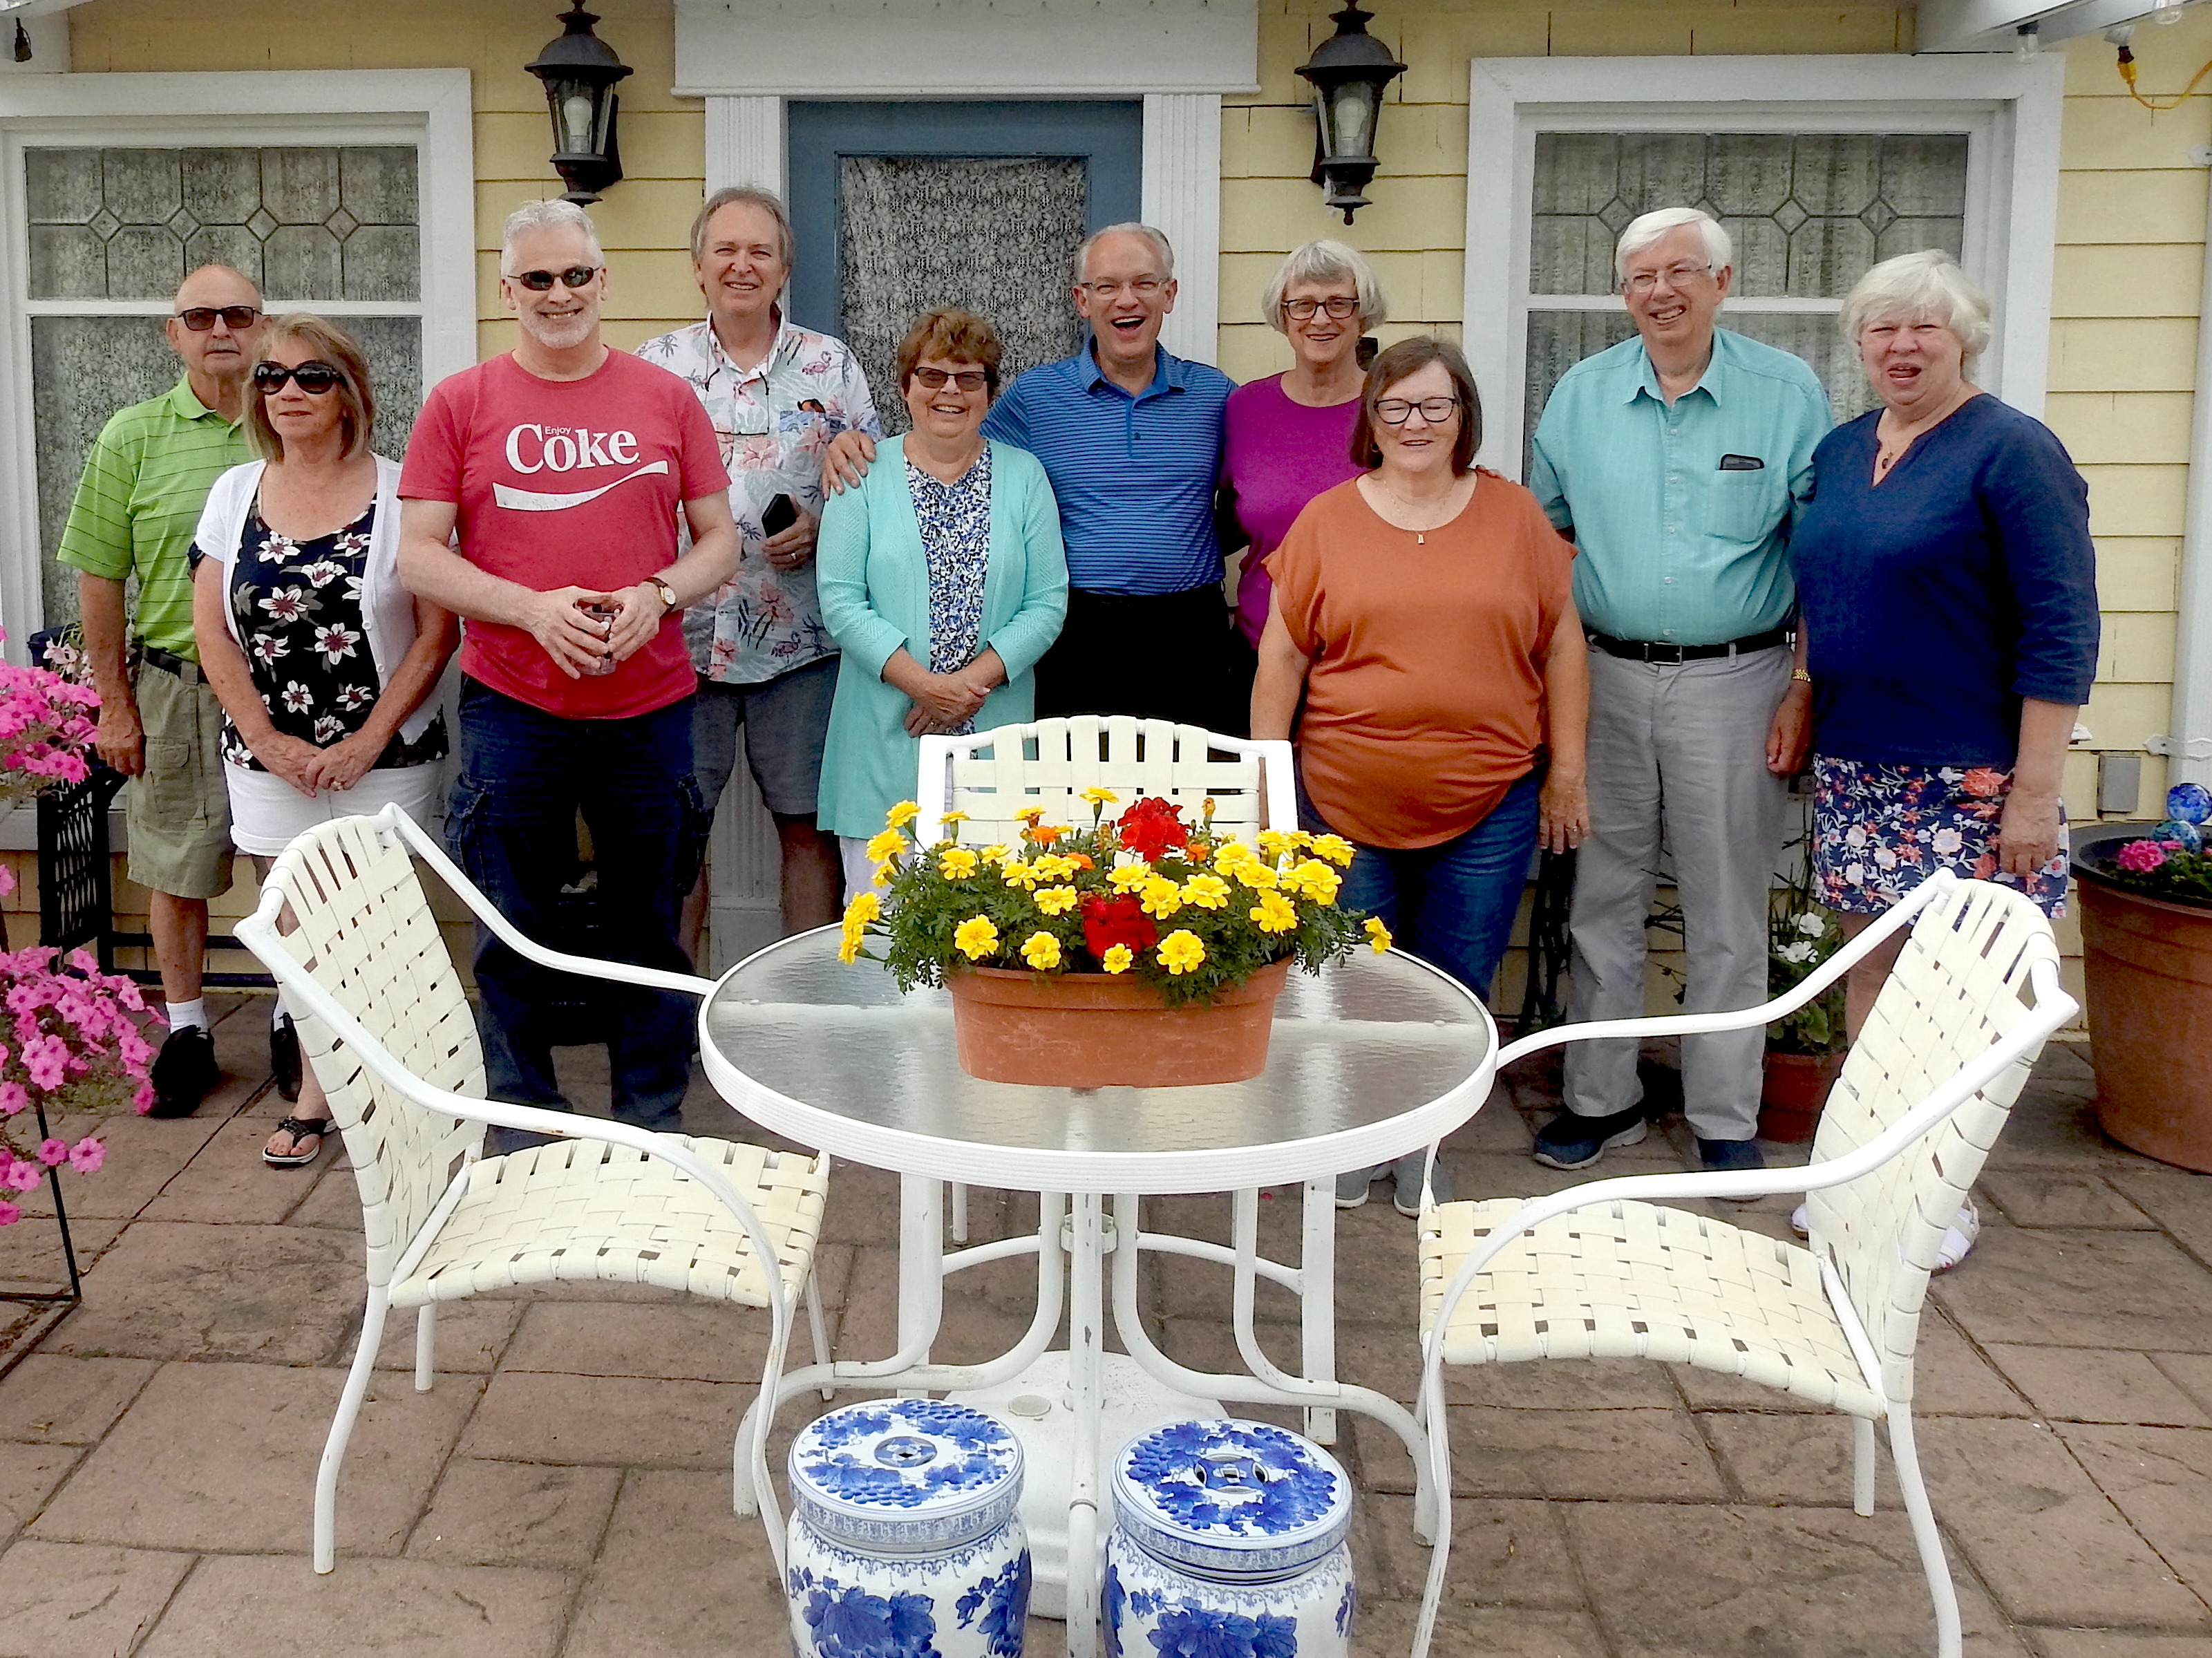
(943, 578)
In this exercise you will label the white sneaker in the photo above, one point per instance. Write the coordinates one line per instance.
(1958, 1237)
(1797, 1223)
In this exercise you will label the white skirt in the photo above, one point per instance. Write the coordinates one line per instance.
(267, 813)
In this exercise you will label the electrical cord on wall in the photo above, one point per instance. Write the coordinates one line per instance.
(2127, 68)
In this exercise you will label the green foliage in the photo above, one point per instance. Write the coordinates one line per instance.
(1801, 933)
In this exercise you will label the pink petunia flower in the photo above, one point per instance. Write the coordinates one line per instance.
(2141, 857)
(22, 1176)
(14, 1096)
(9, 1214)
(47, 1061)
(142, 1100)
(53, 1152)
(87, 1155)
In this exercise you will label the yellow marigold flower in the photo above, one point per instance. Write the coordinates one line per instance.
(954, 817)
(1016, 873)
(1117, 959)
(976, 937)
(1102, 797)
(849, 947)
(1378, 936)
(884, 872)
(996, 853)
(1056, 901)
(865, 908)
(1055, 866)
(1181, 951)
(1274, 912)
(1335, 847)
(1207, 892)
(1162, 897)
(1311, 878)
(1254, 874)
(1275, 842)
(1030, 814)
(956, 863)
(1040, 950)
(1129, 877)
(900, 815)
(889, 844)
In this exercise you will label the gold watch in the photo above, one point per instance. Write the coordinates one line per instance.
(667, 593)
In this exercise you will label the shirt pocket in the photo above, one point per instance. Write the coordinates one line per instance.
(1739, 506)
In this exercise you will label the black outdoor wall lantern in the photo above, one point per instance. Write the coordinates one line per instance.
(1350, 72)
(579, 71)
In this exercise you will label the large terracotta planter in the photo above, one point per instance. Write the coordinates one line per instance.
(1107, 1030)
(2149, 969)
(1796, 1088)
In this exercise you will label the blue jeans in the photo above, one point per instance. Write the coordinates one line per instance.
(525, 774)
(1453, 904)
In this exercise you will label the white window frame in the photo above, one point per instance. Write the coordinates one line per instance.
(2008, 108)
(430, 109)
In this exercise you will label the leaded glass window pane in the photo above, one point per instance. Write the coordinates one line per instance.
(989, 233)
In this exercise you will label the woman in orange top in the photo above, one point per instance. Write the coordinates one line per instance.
(1423, 613)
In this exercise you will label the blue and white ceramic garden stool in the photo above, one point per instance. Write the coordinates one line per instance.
(1229, 1538)
(904, 1538)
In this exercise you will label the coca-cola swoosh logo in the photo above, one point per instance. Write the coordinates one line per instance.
(534, 500)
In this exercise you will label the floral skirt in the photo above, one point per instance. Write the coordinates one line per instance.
(1881, 831)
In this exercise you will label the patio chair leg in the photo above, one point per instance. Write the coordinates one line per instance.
(750, 1490)
(1930, 1541)
(426, 1346)
(959, 1213)
(1434, 1418)
(1862, 1465)
(334, 1447)
(818, 1334)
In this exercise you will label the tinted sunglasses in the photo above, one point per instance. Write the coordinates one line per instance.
(313, 378)
(537, 281)
(968, 380)
(201, 318)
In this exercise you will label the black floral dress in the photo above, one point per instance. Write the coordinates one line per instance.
(956, 541)
(298, 607)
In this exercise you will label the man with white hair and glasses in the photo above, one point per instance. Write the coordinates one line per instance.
(540, 501)
(1678, 461)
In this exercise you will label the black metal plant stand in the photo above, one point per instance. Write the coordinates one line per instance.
(1549, 944)
(59, 1302)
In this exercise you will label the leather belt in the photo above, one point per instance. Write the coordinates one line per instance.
(1645, 650)
(169, 662)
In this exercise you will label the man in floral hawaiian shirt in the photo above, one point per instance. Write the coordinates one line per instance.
(777, 393)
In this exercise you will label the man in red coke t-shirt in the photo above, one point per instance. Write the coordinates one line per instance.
(539, 501)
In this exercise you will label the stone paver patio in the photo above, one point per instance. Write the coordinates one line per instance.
(564, 1489)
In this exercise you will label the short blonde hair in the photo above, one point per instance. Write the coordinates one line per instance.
(333, 345)
(1325, 260)
(1928, 283)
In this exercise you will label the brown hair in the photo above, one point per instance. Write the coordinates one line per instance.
(333, 345)
(951, 335)
(751, 196)
(1409, 357)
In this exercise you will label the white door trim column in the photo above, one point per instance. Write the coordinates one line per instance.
(745, 143)
(1181, 196)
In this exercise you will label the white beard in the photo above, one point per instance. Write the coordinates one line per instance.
(561, 336)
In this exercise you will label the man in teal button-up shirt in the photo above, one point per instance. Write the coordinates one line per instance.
(1676, 461)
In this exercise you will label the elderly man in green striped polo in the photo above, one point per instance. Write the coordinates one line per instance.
(136, 507)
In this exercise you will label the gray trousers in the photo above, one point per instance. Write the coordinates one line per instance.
(1678, 753)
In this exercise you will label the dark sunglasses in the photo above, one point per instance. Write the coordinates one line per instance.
(201, 318)
(313, 377)
(537, 281)
(968, 380)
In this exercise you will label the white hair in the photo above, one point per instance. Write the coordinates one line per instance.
(555, 214)
(1326, 261)
(1158, 238)
(1642, 232)
(1928, 283)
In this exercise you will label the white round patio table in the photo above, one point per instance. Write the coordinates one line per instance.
(1376, 1057)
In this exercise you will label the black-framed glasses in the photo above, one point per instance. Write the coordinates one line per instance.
(1394, 412)
(538, 281)
(968, 380)
(1337, 306)
(313, 378)
(236, 317)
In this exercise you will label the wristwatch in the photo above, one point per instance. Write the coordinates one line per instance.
(667, 593)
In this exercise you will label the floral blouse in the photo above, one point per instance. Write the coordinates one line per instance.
(298, 608)
(956, 539)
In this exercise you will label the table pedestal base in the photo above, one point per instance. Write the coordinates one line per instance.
(1037, 1405)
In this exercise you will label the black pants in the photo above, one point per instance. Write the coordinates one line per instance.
(1168, 656)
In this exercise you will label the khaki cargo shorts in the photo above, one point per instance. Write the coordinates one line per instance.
(177, 810)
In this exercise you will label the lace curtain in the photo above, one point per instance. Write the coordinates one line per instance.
(991, 234)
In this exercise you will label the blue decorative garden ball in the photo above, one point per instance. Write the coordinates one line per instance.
(2189, 802)
(2187, 837)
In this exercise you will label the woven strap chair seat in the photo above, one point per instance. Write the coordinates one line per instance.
(1637, 1280)
(583, 1210)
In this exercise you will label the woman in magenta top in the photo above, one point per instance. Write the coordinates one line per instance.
(1289, 436)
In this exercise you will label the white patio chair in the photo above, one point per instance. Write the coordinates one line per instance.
(382, 1018)
(1600, 1271)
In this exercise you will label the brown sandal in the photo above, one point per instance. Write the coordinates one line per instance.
(298, 1128)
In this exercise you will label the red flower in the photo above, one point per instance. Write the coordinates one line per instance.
(1984, 780)
(1117, 921)
(1151, 826)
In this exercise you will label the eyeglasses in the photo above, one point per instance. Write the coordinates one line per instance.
(1303, 310)
(236, 317)
(313, 378)
(968, 380)
(1678, 276)
(1394, 411)
(1144, 288)
(537, 281)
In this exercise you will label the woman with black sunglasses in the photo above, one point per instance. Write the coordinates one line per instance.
(323, 664)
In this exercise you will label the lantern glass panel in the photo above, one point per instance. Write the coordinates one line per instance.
(1355, 120)
(573, 112)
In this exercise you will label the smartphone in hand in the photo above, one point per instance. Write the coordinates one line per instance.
(779, 515)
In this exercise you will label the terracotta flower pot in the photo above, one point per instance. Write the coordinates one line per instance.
(1796, 1089)
(2148, 964)
(1109, 1031)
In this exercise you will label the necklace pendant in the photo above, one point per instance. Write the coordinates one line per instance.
(1420, 539)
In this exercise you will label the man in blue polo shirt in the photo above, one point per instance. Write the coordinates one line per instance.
(1131, 437)
(1677, 460)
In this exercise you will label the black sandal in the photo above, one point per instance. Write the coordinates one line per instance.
(321, 1127)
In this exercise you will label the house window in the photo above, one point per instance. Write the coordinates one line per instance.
(110, 230)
